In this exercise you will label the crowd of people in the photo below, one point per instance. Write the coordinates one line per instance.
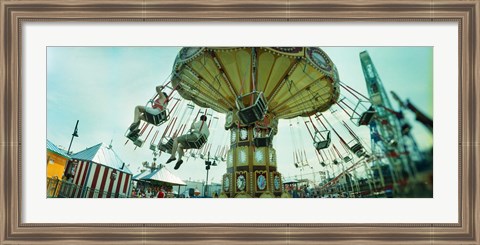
(303, 191)
(152, 192)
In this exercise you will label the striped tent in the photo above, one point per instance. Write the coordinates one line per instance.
(101, 173)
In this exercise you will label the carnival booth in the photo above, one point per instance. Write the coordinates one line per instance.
(162, 175)
(98, 172)
(56, 160)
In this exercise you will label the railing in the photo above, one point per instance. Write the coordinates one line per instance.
(63, 189)
(53, 185)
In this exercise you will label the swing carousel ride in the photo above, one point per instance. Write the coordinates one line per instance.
(255, 87)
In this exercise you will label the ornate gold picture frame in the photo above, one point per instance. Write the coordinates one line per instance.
(14, 13)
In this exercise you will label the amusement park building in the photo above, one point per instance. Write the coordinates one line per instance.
(100, 170)
(56, 161)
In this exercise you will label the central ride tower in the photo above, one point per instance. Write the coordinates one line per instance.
(255, 87)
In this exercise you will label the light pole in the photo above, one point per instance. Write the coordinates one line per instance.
(75, 134)
(313, 172)
(301, 175)
(208, 163)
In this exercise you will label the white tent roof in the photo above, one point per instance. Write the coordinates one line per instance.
(140, 175)
(290, 181)
(163, 175)
(104, 155)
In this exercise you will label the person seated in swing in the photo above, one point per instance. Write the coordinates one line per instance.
(158, 106)
(197, 130)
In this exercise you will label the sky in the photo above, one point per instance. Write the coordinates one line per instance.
(100, 86)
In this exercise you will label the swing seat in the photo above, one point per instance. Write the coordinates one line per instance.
(321, 142)
(361, 116)
(166, 147)
(360, 153)
(347, 159)
(335, 161)
(263, 141)
(323, 164)
(134, 137)
(157, 119)
(254, 112)
(356, 147)
(153, 147)
(195, 144)
(366, 117)
(138, 142)
(358, 150)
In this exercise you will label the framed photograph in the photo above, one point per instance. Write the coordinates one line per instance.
(256, 71)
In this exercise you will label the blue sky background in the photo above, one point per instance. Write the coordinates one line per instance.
(100, 86)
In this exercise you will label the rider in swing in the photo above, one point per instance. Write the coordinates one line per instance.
(159, 105)
(197, 130)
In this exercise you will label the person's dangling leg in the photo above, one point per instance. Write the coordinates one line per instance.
(180, 155)
(139, 110)
(180, 152)
(182, 141)
(174, 151)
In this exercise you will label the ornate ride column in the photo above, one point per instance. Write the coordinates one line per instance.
(251, 168)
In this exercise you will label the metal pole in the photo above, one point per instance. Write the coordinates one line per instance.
(314, 181)
(75, 134)
(206, 184)
(207, 163)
